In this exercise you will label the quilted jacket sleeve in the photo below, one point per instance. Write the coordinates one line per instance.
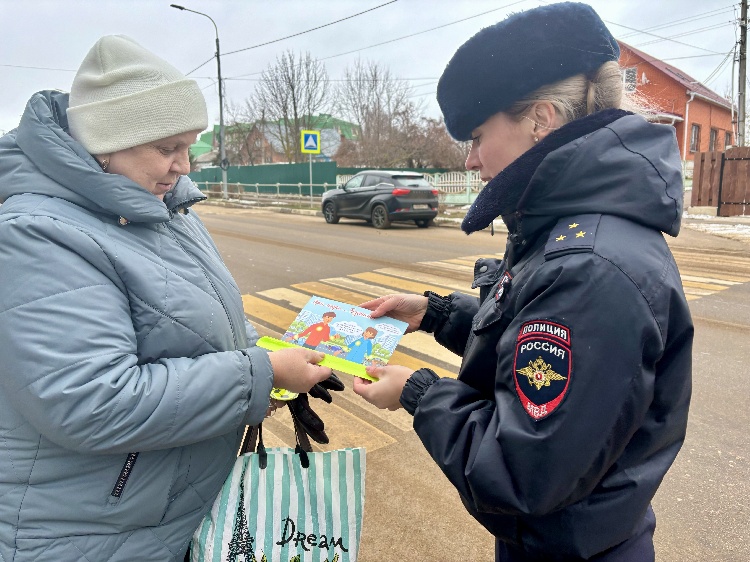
(68, 351)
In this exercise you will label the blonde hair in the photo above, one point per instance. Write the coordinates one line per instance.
(578, 96)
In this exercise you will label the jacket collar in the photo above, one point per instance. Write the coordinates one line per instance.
(506, 193)
(49, 161)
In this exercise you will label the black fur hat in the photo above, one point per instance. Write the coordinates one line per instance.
(504, 62)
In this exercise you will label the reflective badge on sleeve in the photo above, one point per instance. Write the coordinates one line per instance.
(542, 366)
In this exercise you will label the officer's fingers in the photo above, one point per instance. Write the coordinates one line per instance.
(362, 387)
(373, 304)
(376, 371)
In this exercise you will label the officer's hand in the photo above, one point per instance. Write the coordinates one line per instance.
(296, 370)
(407, 308)
(386, 392)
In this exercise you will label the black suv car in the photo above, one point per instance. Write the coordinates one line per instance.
(383, 197)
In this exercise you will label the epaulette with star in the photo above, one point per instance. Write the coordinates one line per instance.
(572, 235)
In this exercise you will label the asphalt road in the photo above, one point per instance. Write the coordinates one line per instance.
(411, 511)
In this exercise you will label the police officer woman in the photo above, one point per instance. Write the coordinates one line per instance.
(572, 398)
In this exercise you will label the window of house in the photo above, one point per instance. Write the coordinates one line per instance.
(629, 78)
(712, 140)
(695, 138)
(727, 139)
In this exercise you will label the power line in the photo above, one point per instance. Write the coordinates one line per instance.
(37, 67)
(664, 38)
(688, 19)
(405, 36)
(699, 30)
(336, 79)
(309, 30)
(201, 66)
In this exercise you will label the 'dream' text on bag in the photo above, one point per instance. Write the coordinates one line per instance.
(290, 534)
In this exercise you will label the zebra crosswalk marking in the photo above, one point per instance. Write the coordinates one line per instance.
(724, 278)
(374, 290)
(403, 285)
(452, 267)
(331, 292)
(452, 284)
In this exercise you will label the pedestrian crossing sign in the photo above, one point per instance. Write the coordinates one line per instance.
(310, 142)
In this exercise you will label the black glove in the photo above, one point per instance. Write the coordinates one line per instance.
(305, 419)
(321, 389)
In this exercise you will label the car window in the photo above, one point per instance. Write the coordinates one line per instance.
(356, 181)
(371, 180)
(411, 181)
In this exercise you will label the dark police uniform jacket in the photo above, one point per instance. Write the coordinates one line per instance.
(572, 398)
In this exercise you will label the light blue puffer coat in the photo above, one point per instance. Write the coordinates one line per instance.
(114, 340)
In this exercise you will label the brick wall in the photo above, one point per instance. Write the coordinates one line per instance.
(670, 96)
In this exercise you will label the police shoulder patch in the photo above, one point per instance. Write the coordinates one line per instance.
(542, 366)
(572, 235)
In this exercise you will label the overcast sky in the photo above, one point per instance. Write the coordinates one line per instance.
(53, 36)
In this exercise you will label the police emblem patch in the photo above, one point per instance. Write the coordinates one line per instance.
(542, 366)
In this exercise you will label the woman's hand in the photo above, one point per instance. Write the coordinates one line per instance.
(296, 370)
(386, 392)
(407, 308)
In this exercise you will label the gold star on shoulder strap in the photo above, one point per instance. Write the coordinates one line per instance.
(580, 234)
(560, 238)
(574, 225)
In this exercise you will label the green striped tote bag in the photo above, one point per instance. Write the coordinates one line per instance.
(286, 512)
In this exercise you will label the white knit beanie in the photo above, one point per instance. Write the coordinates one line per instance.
(124, 96)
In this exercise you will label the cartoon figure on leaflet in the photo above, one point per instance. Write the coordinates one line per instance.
(318, 332)
(361, 348)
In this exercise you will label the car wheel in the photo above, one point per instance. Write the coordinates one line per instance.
(422, 223)
(329, 212)
(380, 217)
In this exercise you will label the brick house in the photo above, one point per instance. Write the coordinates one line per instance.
(701, 117)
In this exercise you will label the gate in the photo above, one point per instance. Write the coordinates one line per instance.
(722, 180)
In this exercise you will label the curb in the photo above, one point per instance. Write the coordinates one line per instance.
(687, 217)
(438, 221)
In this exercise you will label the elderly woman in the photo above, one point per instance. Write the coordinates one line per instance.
(127, 368)
(572, 398)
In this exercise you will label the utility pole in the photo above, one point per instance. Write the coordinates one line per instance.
(742, 87)
(222, 149)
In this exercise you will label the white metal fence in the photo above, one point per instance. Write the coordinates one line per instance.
(455, 188)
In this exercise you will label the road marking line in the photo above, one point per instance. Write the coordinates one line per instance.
(331, 292)
(366, 288)
(273, 314)
(451, 267)
(716, 280)
(705, 286)
(700, 274)
(428, 278)
(402, 284)
(282, 294)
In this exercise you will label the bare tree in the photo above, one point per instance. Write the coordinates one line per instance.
(291, 91)
(379, 104)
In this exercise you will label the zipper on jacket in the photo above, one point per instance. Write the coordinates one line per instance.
(127, 469)
(208, 278)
